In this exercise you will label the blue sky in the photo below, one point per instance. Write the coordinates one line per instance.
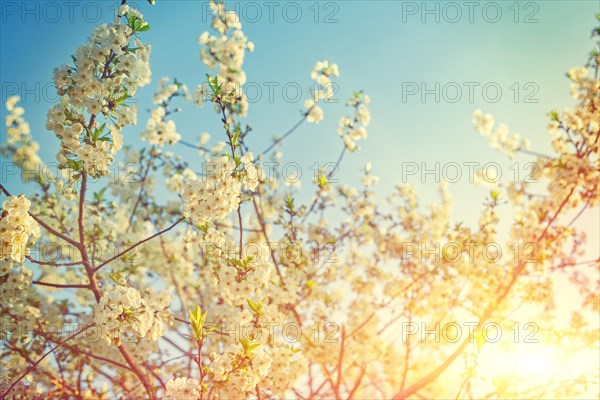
(382, 47)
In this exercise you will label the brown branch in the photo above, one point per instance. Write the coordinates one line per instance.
(239, 213)
(54, 264)
(61, 286)
(35, 364)
(90, 271)
(45, 225)
(338, 379)
(486, 315)
(288, 133)
(138, 244)
(263, 228)
(406, 354)
(320, 192)
(361, 375)
(142, 184)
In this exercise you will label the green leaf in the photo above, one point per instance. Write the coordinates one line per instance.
(197, 319)
(322, 181)
(248, 346)
(213, 82)
(130, 20)
(137, 24)
(97, 132)
(203, 228)
(495, 194)
(98, 195)
(144, 26)
(553, 114)
(115, 278)
(255, 307)
(119, 100)
(289, 203)
(253, 346)
(75, 165)
(236, 135)
(234, 262)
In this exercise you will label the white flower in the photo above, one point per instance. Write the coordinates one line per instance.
(217, 193)
(483, 123)
(15, 282)
(322, 73)
(182, 389)
(352, 130)
(122, 310)
(499, 137)
(363, 115)
(203, 39)
(20, 144)
(577, 73)
(123, 9)
(314, 112)
(16, 228)
(225, 52)
(12, 102)
(165, 90)
(158, 131)
(204, 138)
(323, 68)
(89, 94)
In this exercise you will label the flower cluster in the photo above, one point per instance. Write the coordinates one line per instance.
(321, 74)
(167, 90)
(287, 368)
(353, 129)
(237, 377)
(106, 71)
(225, 52)
(159, 303)
(159, 131)
(314, 113)
(123, 310)
(19, 143)
(14, 282)
(182, 389)
(499, 138)
(16, 126)
(16, 228)
(175, 180)
(219, 191)
(242, 281)
(575, 139)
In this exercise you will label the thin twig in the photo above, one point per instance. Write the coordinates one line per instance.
(62, 286)
(139, 244)
(45, 225)
(35, 364)
(288, 133)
